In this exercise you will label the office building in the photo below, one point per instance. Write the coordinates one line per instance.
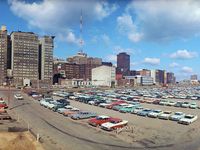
(123, 63)
(85, 63)
(144, 72)
(104, 76)
(194, 77)
(3, 54)
(24, 57)
(46, 59)
(170, 78)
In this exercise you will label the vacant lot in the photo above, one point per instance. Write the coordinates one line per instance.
(18, 141)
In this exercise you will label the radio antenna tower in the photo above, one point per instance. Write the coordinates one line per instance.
(81, 30)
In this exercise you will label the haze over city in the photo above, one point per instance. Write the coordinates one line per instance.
(156, 34)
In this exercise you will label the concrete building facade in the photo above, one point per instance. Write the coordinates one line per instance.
(104, 76)
(46, 59)
(24, 57)
(3, 54)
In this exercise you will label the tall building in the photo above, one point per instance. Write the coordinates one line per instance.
(3, 54)
(24, 57)
(160, 76)
(123, 63)
(170, 78)
(46, 59)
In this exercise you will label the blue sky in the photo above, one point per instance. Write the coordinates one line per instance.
(158, 34)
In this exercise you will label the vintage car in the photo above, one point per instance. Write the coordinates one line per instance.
(18, 96)
(83, 115)
(177, 116)
(188, 119)
(99, 120)
(114, 124)
(155, 113)
(165, 115)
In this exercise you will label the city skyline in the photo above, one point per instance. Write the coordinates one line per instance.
(113, 27)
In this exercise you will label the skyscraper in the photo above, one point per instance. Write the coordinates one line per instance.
(3, 54)
(46, 59)
(123, 63)
(24, 56)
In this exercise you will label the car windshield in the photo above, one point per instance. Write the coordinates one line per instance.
(189, 117)
(167, 112)
(157, 111)
(178, 113)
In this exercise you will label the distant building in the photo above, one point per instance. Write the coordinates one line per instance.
(159, 76)
(194, 77)
(104, 76)
(107, 64)
(144, 72)
(123, 63)
(3, 54)
(85, 63)
(46, 59)
(171, 78)
(24, 57)
(140, 80)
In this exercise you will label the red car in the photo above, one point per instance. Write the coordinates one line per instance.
(99, 120)
(114, 104)
(3, 105)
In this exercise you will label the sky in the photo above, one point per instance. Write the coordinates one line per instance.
(158, 34)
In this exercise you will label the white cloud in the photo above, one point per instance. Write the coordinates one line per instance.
(58, 17)
(111, 58)
(183, 54)
(173, 65)
(126, 27)
(186, 70)
(152, 61)
(106, 39)
(165, 20)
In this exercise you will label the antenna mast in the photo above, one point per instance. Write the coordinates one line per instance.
(81, 30)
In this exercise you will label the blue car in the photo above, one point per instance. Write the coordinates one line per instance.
(144, 112)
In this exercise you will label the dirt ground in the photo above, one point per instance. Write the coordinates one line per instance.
(18, 141)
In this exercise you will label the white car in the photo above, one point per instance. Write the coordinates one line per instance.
(155, 113)
(185, 105)
(91, 102)
(115, 124)
(177, 116)
(136, 110)
(165, 115)
(69, 107)
(171, 103)
(188, 119)
(18, 97)
(61, 110)
(103, 105)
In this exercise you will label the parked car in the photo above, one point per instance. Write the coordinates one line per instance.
(156, 102)
(114, 124)
(144, 112)
(3, 104)
(165, 115)
(188, 119)
(128, 109)
(178, 104)
(118, 107)
(155, 113)
(193, 105)
(61, 110)
(99, 120)
(185, 104)
(83, 115)
(136, 110)
(177, 116)
(111, 105)
(163, 102)
(18, 96)
(70, 112)
(171, 103)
